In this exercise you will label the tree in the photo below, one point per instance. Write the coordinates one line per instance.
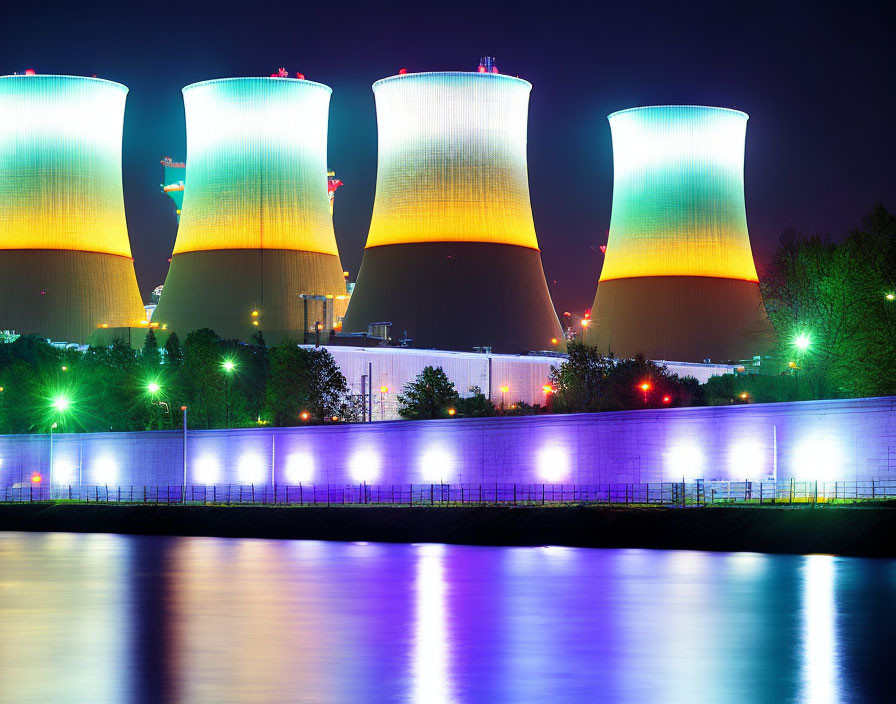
(151, 355)
(205, 382)
(174, 354)
(579, 381)
(833, 297)
(476, 406)
(430, 395)
(303, 381)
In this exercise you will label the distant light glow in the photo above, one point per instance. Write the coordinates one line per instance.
(207, 470)
(802, 342)
(817, 458)
(748, 459)
(105, 470)
(36, 478)
(153, 387)
(300, 468)
(553, 464)
(436, 465)
(251, 469)
(63, 471)
(364, 466)
(684, 460)
(61, 403)
(228, 365)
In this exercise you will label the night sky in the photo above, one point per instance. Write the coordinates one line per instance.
(817, 83)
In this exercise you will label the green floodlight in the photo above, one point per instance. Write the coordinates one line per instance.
(228, 365)
(61, 403)
(890, 296)
(153, 387)
(802, 342)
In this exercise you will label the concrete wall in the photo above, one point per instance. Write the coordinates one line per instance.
(817, 440)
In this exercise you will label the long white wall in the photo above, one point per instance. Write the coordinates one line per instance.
(817, 440)
(524, 376)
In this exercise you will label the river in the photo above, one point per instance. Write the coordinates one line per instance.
(116, 618)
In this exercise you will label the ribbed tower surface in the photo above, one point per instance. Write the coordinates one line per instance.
(452, 259)
(255, 231)
(678, 280)
(65, 258)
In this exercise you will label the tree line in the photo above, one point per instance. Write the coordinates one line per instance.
(223, 383)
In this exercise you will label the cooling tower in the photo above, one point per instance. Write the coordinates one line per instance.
(678, 280)
(65, 259)
(451, 257)
(255, 231)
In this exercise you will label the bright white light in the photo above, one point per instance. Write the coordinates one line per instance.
(817, 459)
(105, 471)
(553, 464)
(684, 461)
(206, 470)
(819, 612)
(436, 465)
(365, 466)
(63, 471)
(299, 468)
(432, 656)
(746, 460)
(250, 469)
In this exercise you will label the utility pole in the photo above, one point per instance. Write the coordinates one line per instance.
(184, 497)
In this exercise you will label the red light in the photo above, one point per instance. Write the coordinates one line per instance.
(36, 478)
(494, 69)
(30, 72)
(645, 386)
(300, 76)
(183, 408)
(603, 249)
(402, 71)
(667, 399)
(482, 69)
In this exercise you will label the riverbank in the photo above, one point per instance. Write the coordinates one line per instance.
(858, 531)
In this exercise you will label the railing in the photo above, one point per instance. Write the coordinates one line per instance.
(683, 494)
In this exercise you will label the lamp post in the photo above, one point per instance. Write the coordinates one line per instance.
(61, 404)
(184, 494)
(504, 390)
(228, 366)
(383, 391)
(645, 386)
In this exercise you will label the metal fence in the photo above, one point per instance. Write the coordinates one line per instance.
(697, 493)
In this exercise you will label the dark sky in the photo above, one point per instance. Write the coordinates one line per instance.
(817, 80)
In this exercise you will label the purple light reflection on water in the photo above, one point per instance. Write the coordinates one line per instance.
(108, 618)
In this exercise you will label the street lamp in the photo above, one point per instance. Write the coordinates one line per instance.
(890, 296)
(383, 391)
(504, 390)
(645, 386)
(228, 366)
(802, 342)
(60, 403)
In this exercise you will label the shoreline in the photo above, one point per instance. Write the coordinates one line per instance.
(848, 531)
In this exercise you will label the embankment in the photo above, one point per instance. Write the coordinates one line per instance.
(866, 531)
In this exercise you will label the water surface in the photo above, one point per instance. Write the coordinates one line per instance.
(111, 618)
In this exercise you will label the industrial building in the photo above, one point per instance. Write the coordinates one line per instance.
(255, 232)
(452, 259)
(678, 280)
(65, 258)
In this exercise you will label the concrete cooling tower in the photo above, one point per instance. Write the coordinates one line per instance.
(678, 280)
(452, 259)
(65, 258)
(255, 233)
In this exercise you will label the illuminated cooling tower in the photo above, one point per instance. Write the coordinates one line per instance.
(678, 281)
(451, 257)
(255, 233)
(65, 259)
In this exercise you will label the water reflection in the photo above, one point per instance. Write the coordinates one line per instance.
(819, 666)
(107, 618)
(431, 666)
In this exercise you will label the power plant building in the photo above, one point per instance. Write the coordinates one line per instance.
(452, 259)
(65, 258)
(255, 233)
(678, 280)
